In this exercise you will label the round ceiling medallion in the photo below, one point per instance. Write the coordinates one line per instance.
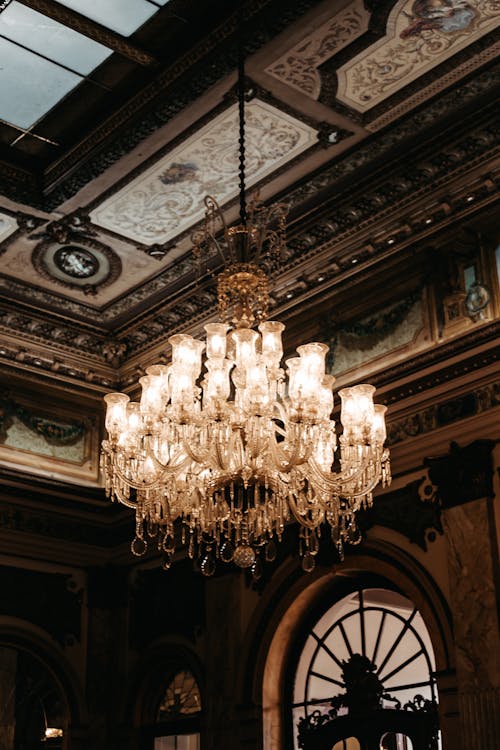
(88, 265)
(76, 262)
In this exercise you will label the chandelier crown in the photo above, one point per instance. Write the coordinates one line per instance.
(226, 441)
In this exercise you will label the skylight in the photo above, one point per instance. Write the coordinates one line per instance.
(41, 61)
(122, 16)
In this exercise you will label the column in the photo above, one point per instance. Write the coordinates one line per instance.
(464, 481)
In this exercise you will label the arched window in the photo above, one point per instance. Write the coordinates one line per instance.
(178, 714)
(369, 650)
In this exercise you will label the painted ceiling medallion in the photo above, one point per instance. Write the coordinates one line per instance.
(76, 262)
(167, 198)
(87, 265)
(420, 35)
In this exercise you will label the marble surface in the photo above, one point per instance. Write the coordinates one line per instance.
(473, 596)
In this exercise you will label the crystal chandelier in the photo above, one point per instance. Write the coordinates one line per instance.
(226, 441)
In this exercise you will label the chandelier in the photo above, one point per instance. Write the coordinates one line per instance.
(226, 441)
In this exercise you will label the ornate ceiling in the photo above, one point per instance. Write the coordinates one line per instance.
(374, 121)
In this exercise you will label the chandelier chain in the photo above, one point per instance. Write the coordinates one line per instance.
(241, 140)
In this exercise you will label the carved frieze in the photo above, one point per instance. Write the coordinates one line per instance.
(444, 412)
(406, 511)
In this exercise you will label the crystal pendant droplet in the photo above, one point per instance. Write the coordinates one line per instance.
(227, 552)
(257, 569)
(244, 556)
(168, 543)
(208, 565)
(308, 563)
(270, 551)
(138, 546)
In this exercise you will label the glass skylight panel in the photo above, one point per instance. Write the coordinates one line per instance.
(51, 39)
(123, 16)
(29, 84)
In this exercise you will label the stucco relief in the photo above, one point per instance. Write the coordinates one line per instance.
(420, 35)
(167, 198)
(298, 67)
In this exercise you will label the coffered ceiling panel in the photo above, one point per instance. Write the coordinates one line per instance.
(299, 65)
(167, 198)
(419, 36)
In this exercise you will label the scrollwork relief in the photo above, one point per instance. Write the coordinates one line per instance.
(298, 67)
(420, 36)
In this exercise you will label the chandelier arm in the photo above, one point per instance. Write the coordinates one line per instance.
(213, 211)
(223, 464)
(282, 416)
(170, 468)
(198, 458)
(300, 519)
(338, 484)
(123, 499)
(285, 463)
(137, 485)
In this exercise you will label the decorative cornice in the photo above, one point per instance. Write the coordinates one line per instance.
(444, 412)
(449, 350)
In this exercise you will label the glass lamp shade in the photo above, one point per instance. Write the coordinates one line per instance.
(357, 412)
(152, 398)
(216, 340)
(186, 354)
(217, 382)
(245, 341)
(116, 419)
(378, 429)
(272, 347)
